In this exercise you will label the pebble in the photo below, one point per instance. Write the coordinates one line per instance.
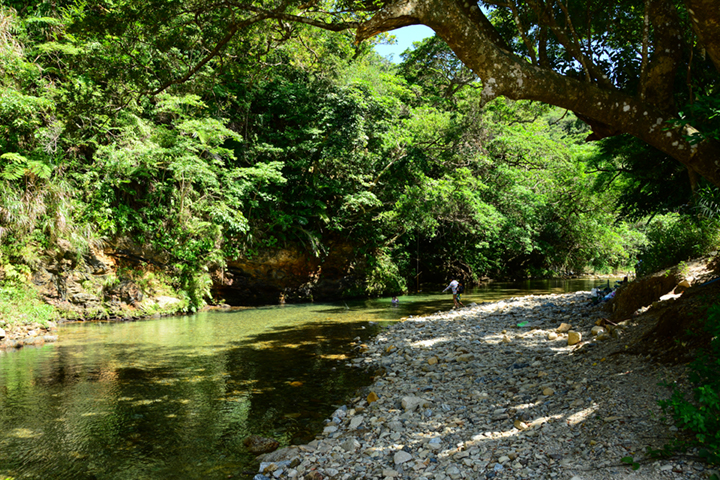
(574, 337)
(563, 328)
(597, 330)
(466, 394)
(401, 457)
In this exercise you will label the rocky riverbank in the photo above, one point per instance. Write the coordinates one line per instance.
(33, 334)
(469, 394)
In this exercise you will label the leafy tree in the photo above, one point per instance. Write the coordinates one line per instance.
(649, 180)
(432, 65)
(171, 183)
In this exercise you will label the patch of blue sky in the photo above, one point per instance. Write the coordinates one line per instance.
(404, 38)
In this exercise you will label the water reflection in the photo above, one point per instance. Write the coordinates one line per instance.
(175, 397)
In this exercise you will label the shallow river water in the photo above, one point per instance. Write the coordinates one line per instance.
(174, 397)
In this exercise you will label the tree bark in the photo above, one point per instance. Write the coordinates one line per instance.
(705, 18)
(657, 86)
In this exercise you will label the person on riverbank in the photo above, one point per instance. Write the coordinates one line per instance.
(453, 287)
(395, 300)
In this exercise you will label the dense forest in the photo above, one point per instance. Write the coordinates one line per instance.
(151, 124)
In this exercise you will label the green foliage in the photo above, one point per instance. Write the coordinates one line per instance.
(18, 166)
(704, 115)
(432, 66)
(708, 202)
(650, 182)
(674, 238)
(384, 276)
(170, 182)
(20, 303)
(631, 462)
(699, 415)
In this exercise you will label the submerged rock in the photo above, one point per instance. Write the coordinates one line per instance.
(258, 445)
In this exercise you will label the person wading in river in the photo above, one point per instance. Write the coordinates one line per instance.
(459, 291)
(453, 287)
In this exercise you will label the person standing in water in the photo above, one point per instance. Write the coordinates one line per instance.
(460, 290)
(453, 287)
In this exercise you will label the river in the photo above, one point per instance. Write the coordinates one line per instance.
(174, 397)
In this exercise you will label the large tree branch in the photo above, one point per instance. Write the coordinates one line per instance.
(408, 12)
(398, 14)
(506, 74)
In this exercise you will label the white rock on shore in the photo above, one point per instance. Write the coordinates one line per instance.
(467, 395)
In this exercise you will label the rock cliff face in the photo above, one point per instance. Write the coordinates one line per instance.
(114, 283)
(288, 275)
(101, 283)
(71, 281)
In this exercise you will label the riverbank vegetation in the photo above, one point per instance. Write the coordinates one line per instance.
(296, 136)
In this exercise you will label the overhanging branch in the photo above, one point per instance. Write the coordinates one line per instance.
(396, 15)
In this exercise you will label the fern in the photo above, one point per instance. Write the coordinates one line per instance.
(20, 166)
(709, 202)
(39, 169)
(53, 47)
(13, 171)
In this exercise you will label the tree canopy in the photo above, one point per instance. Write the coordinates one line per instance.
(649, 69)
